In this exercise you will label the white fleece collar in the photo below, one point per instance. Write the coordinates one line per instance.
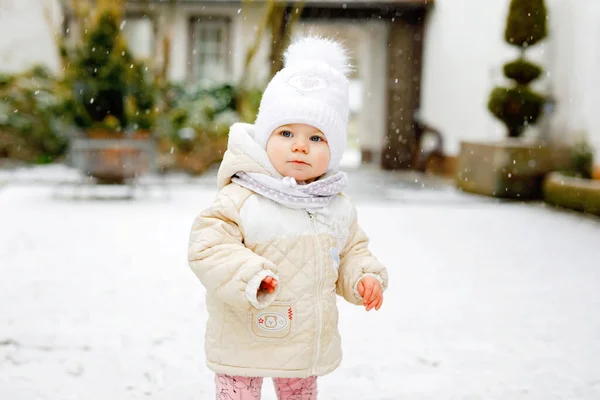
(241, 138)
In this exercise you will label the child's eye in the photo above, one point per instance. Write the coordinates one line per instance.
(316, 138)
(286, 133)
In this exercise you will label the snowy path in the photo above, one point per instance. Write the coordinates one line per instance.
(487, 301)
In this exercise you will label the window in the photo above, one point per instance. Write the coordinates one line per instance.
(210, 49)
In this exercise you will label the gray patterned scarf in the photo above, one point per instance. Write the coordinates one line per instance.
(286, 191)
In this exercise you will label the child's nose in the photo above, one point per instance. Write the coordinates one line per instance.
(300, 145)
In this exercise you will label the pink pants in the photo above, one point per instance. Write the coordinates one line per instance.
(244, 388)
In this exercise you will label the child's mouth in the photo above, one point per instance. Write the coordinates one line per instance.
(298, 162)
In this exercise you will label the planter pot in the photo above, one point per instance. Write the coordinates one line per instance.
(111, 158)
(142, 134)
(574, 193)
(113, 165)
(596, 172)
(99, 133)
(511, 168)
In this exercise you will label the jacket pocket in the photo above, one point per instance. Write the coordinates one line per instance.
(273, 323)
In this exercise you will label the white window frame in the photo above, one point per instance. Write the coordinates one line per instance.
(210, 41)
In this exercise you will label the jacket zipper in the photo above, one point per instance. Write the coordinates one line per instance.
(318, 295)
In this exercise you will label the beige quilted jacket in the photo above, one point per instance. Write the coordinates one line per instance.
(243, 238)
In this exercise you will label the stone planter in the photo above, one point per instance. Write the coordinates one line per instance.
(574, 193)
(511, 168)
(111, 158)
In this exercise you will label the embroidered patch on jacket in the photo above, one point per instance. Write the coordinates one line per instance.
(307, 83)
(272, 321)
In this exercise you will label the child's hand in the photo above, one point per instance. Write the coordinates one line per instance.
(371, 291)
(269, 284)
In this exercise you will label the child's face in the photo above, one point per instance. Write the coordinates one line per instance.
(300, 151)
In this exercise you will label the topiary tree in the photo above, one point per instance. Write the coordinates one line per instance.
(99, 74)
(109, 89)
(518, 106)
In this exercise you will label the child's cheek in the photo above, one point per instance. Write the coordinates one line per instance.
(324, 156)
(276, 155)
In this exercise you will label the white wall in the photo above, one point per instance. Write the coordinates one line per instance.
(137, 32)
(575, 69)
(26, 38)
(464, 55)
(178, 66)
(374, 70)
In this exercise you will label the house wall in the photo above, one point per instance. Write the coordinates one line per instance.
(26, 37)
(464, 54)
(463, 57)
(244, 25)
(373, 66)
(575, 64)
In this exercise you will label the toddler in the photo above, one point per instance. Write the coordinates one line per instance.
(280, 240)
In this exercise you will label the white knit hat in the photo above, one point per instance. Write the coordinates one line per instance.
(312, 89)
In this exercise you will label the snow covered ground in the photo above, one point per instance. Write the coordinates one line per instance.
(487, 300)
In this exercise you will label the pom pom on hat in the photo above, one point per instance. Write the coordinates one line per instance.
(312, 89)
(317, 49)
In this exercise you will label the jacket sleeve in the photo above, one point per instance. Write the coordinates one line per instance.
(356, 262)
(218, 257)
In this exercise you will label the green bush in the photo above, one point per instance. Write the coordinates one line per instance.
(208, 112)
(248, 103)
(518, 106)
(203, 109)
(142, 98)
(32, 117)
(526, 23)
(521, 71)
(5, 80)
(582, 160)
